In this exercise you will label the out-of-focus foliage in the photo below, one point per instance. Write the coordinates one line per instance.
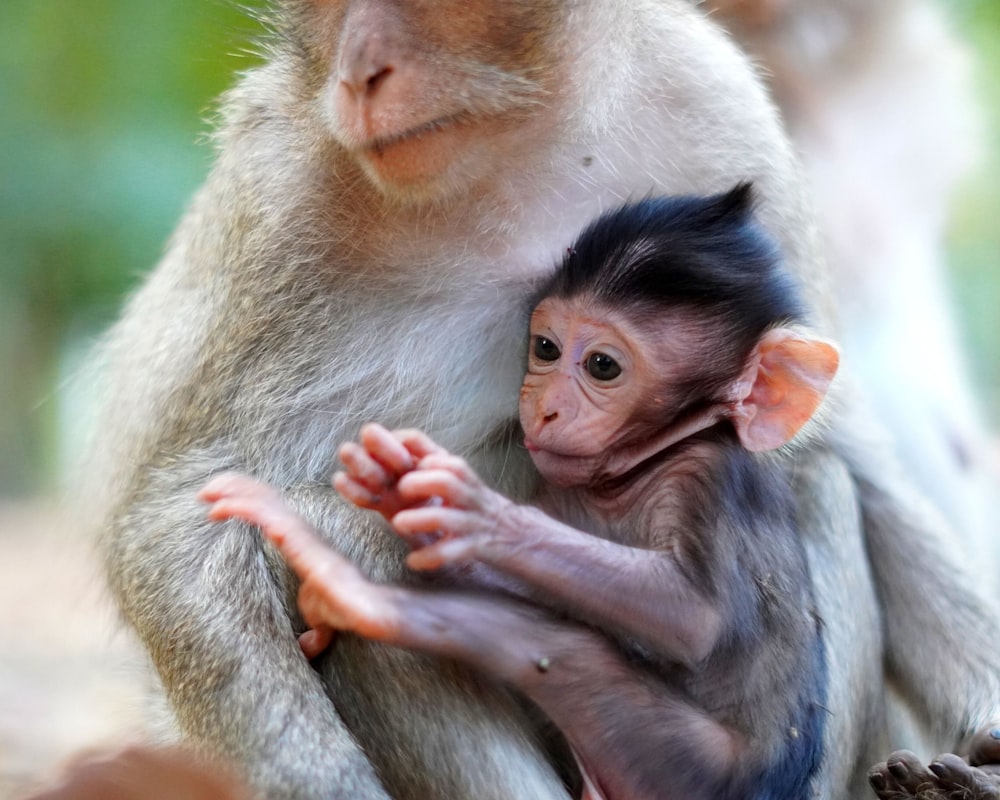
(102, 109)
(975, 239)
(101, 112)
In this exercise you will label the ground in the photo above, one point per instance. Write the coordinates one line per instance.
(70, 678)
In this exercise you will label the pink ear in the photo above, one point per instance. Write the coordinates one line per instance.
(782, 388)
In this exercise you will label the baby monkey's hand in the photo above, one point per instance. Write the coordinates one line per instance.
(374, 465)
(432, 498)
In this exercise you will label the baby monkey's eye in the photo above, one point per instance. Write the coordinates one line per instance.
(545, 349)
(603, 367)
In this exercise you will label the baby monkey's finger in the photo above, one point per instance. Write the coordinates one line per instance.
(443, 553)
(387, 449)
(351, 490)
(418, 443)
(361, 467)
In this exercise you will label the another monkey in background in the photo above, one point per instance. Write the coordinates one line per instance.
(662, 359)
(390, 185)
(878, 98)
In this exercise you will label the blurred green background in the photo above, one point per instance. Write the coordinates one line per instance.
(103, 137)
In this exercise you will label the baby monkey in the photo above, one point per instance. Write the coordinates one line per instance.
(674, 643)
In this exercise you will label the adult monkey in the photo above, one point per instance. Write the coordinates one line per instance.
(388, 186)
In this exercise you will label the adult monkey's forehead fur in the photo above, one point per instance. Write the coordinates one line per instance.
(389, 185)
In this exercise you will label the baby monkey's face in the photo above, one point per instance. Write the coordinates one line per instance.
(590, 379)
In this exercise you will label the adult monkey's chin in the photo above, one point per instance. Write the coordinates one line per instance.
(438, 160)
(423, 164)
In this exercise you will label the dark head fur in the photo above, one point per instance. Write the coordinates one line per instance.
(705, 253)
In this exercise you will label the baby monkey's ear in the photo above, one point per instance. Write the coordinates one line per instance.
(781, 387)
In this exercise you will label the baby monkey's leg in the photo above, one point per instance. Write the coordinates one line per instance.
(333, 594)
(635, 737)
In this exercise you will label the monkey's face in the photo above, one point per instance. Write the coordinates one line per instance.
(589, 380)
(430, 95)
